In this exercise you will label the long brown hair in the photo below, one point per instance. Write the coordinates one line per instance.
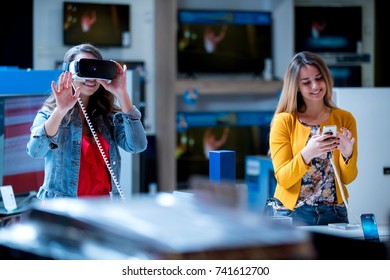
(291, 100)
(102, 102)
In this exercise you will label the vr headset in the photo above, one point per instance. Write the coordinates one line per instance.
(91, 69)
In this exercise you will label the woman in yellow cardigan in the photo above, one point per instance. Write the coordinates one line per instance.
(307, 187)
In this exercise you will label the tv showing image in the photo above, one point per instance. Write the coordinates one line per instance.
(328, 29)
(18, 169)
(106, 25)
(198, 133)
(346, 75)
(211, 41)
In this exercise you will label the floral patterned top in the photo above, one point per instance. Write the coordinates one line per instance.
(318, 185)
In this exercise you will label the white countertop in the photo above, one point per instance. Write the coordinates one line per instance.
(357, 232)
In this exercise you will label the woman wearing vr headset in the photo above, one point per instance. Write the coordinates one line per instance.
(81, 160)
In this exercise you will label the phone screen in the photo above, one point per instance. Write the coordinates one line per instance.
(370, 229)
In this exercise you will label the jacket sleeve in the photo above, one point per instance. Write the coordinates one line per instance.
(289, 167)
(39, 143)
(130, 132)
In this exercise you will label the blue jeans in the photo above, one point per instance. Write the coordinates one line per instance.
(316, 215)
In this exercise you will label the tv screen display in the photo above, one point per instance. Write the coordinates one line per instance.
(106, 25)
(246, 133)
(18, 169)
(211, 41)
(328, 29)
(346, 76)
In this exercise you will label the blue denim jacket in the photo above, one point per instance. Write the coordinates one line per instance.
(62, 151)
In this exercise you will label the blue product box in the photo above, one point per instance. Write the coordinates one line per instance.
(260, 181)
(222, 166)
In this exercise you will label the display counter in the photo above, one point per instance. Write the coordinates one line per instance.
(348, 244)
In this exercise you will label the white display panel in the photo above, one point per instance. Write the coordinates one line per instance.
(370, 192)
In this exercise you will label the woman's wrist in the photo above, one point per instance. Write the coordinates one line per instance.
(306, 158)
(346, 158)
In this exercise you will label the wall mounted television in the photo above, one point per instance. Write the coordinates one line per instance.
(104, 25)
(223, 41)
(328, 29)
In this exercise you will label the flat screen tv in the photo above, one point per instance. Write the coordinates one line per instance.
(220, 42)
(246, 133)
(17, 168)
(328, 29)
(346, 75)
(105, 25)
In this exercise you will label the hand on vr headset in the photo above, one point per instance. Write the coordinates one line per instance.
(118, 84)
(108, 73)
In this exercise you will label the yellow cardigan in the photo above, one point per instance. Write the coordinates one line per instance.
(288, 137)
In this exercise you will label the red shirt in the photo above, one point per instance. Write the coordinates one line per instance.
(94, 177)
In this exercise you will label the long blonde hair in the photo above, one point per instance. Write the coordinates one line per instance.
(291, 100)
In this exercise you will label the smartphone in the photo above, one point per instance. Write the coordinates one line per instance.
(369, 226)
(330, 129)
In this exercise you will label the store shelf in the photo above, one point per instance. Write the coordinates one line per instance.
(229, 87)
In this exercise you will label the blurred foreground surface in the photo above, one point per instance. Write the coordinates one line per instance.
(159, 227)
